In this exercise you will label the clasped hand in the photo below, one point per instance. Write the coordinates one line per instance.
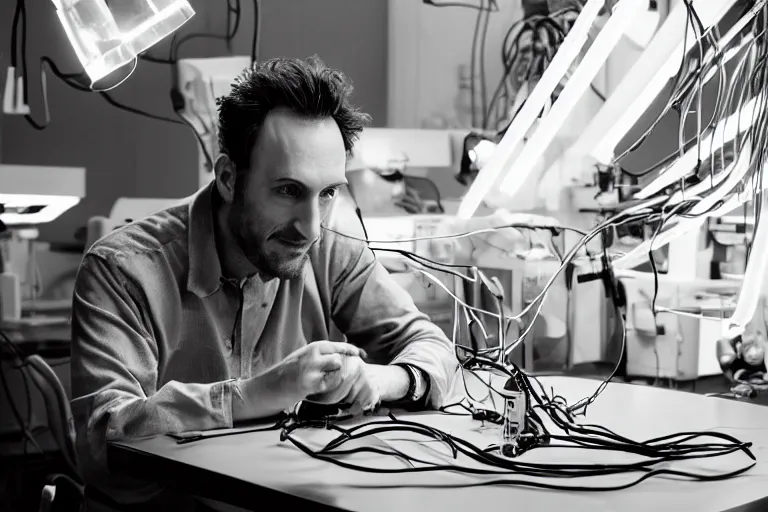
(330, 372)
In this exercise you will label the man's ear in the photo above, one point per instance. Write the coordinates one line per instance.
(226, 174)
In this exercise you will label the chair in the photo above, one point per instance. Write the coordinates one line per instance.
(61, 424)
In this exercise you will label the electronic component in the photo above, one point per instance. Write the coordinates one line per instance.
(515, 408)
(743, 352)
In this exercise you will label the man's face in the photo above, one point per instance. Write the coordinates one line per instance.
(297, 167)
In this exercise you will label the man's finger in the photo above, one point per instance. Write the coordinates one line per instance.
(337, 347)
(331, 362)
(410, 206)
(330, 381)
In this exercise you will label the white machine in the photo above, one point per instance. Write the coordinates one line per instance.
(511, 167)
(200, 82)
(29, 196)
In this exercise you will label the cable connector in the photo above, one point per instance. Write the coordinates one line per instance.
(177, 100)
(13, 96)
(611, 284)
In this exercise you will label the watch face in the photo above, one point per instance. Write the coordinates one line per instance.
(418, 388)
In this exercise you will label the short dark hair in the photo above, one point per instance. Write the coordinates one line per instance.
(306, 86)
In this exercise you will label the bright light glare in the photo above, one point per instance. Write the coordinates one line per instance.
(107, 37)
(53, 207)
(725, 131)
(530, 110)
(584, 74)
(658, 63)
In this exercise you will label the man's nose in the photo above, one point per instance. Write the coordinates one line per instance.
(309, 220)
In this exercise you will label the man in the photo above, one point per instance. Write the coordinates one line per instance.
(226, 307)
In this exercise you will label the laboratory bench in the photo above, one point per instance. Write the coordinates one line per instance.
(234, 468)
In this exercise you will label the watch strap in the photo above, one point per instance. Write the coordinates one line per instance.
(414, 397)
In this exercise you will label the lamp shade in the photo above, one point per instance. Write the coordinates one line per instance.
(108, 34)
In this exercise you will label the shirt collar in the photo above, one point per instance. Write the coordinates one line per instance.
(204, 265)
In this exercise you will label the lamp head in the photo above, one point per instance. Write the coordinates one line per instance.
(108, 34)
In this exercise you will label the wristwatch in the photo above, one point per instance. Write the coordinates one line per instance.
(418, 383)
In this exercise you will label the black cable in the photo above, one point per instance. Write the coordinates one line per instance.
(665, 449)
(67, 78)
(136, 111)
(71, 79)
(25, 88)
(461, 4)
(6, 388)
(661, 450)
(176, 44)
(256, 33)
(473, 64)
(652, 449)
(15, 34)
(483, 87)
(201, 142)
(546, 31)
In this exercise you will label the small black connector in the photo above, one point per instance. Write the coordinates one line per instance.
(177, 100)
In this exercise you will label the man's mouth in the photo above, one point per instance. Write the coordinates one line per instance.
(293, 244)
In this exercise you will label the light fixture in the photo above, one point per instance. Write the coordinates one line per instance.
(754, 277)
(108, 34)
(32, 195)
(724, 132)
(652, 71)
(531, 109)
(641, 31)
(574, 89)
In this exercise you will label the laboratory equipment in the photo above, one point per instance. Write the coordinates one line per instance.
(644, 81)
(512, 168)
(515, 409)
(29, 196)
(198, 83)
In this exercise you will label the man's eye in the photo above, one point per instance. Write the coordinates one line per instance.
(289, 191)
(328, 193)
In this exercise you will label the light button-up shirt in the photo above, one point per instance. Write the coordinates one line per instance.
(159, 336)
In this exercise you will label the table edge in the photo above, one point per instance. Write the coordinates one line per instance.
(128, 461)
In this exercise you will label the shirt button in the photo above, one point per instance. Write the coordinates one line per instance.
(264, 304)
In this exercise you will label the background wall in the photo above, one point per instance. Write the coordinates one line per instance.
(127, 155)
(402, 55)
(427, 44)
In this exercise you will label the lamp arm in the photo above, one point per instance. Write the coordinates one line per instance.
(747, 315)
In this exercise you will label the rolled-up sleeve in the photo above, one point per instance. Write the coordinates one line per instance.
(378, 315)
(115, 369)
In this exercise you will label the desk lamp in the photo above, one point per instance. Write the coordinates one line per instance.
(108, 34)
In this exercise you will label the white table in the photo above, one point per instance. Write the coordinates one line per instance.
(255, 462)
